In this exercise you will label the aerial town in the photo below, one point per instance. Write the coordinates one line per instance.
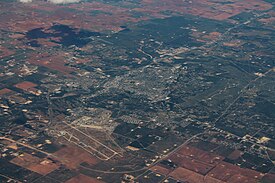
(145, 91)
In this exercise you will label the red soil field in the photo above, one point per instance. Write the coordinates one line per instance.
(200, 155)
(67, 156)
(83, 179)
(25, 85)
(5, 91)
(191, 164)
(53, 62)
(161, 170)
(187, 175)
(35, 164)
(228, 172)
